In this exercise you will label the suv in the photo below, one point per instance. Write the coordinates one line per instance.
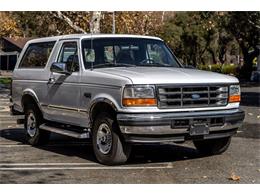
(121, 90)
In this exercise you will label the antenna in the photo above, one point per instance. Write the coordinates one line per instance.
(91, 45)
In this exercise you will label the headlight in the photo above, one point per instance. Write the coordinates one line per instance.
(234, 93)
(139, 96)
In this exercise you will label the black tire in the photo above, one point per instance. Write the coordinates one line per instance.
(212, 146)
(119, 150)
(39, 137)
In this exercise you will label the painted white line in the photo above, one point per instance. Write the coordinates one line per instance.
(14, 146)
(81, 168)
(6, 116)
(4, 109)
(54, 145)
(9, 115)
(8, 121)
(44, 164)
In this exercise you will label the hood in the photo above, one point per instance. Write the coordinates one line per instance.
(164, 75)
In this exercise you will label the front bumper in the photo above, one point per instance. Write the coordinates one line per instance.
(169, 127)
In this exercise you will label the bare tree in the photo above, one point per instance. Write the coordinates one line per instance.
(95, 22)
(63, 17)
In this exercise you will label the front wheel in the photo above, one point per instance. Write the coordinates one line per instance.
(212, 147)
(109, 147)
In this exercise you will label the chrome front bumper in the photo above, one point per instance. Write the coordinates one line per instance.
(140, 127)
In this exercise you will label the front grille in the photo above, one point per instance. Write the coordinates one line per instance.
(192, 96)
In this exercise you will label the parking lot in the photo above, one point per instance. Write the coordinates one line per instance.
(66, 160)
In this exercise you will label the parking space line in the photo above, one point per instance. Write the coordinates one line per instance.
(13, 145)
(44, 164)
(83, 168)
(77, 166)
(53, 145)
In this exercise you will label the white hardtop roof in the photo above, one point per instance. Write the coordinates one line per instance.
(82, 36)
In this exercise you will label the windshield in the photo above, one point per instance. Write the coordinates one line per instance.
(113, 52)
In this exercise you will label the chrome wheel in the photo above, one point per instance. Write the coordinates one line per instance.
(31, 125)
(104, 138)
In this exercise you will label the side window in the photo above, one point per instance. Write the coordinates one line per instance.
(109, 54)
(69, 55)
(89, 55)
(156, 53)
(37, 55)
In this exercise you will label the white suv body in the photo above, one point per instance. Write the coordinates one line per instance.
(121, 90)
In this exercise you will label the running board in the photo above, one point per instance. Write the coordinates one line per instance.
(65, 132)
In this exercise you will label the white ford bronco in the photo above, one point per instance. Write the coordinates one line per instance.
(121, 90)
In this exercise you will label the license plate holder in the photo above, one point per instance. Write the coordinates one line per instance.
(199, 129)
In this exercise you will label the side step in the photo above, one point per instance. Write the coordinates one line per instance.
(65, 132)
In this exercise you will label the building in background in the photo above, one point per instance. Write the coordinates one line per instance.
(10, 48)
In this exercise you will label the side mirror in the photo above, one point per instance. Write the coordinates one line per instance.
(189, 66)
(60, 68)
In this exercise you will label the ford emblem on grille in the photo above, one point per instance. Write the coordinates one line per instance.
(195, 96)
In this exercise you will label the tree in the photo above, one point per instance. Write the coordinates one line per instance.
(66, 19)
(200, 38)
(129, 22)
(42, 24)
(9, 26)
(192, 35)
(95, 22)
(245, 27)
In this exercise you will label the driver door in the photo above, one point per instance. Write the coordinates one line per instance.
(64, 90)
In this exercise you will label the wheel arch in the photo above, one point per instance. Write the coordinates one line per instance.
(29, 96)
(99, 105)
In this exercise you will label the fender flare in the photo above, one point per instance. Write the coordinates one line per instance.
(100, 100)
(31, 93)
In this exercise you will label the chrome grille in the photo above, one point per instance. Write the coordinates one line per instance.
(192, 96)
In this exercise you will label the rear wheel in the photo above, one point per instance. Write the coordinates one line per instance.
(109, 147)
(212, 146)
(33, 119)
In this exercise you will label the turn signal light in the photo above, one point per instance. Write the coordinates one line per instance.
(234, 98)
(139, 102)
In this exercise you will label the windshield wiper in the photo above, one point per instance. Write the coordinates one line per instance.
(154, 64)
(110, 64)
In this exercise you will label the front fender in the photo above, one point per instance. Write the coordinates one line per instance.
(105, 99)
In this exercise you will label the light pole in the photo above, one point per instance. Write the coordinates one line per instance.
(114, 23)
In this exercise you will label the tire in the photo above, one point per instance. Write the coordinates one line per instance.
(212, 147)
(34, 135)
(108, 146)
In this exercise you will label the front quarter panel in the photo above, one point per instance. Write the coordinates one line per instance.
(100, 87)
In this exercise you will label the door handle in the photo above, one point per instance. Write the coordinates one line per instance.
(51, 80)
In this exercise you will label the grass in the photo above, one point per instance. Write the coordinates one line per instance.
(5, 81)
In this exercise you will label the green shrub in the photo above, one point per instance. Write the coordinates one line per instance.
(215, 67)
(210, 67)
(230, 69)
(203, 67)
(5, 80)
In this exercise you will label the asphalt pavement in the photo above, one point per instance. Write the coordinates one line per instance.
(66, 160)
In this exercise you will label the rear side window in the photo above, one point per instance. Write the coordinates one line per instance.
(37, 55)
